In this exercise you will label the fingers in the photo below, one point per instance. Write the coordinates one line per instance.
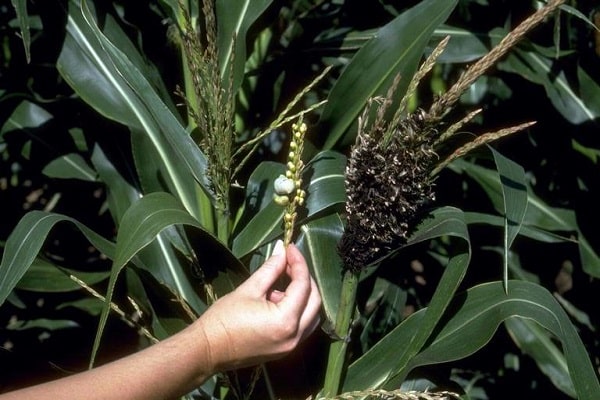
(261, 281)
(275, 296)
(298, 291)
(301, 300)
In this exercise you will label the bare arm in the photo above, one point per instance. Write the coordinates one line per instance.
(253, 324)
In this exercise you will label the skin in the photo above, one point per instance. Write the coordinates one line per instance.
(251, 325)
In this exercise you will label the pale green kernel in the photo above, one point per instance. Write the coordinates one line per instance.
(281, 200)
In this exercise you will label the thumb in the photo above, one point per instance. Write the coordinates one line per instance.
(265, 277)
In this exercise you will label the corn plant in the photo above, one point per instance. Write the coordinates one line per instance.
(252, 121)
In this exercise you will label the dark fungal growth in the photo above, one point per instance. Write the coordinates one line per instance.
(393, 164)
(387, 186)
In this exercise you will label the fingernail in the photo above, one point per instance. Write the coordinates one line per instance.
(278, 248)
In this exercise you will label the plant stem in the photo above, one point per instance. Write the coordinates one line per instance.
(337, 349)
(223, 225)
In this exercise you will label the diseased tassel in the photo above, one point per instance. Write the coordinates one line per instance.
(387, 186)
(391, 168)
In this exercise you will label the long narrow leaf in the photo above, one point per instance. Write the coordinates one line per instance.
(318, 242)
(234, 18)
(396, 49)
(154, 110)
(325, 188)
(142, 109)
(527, 231)
(141, 225)
(23, 18)
(464, 46)
(473, 318)
(514, 195)
(536, 342)
(539, 214)
(446, 221)
(25, 116)
(533, 66)
(70, 166)
(158, 257)
(44, 277)
(26, 240)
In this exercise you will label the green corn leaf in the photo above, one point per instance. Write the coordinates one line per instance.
(23, 18)
(324, 180)
(90, 305)
(137, 101)
(158, 257)
(514, 196)
(527, 231)
(45, 277)
(535, 341)
(473, 323)
(140, 226)
(446, 221)
(395, 49)
(70, 166)
(532, 65)
(318, 242)
(26, 240)
(42, 323)
(262, 218)
(84, 66)
(121, 193)
(589, 90)
(391, 357)
(539, 215)
(234, 19)
(464, 45)
(26, 115)
(473, 317)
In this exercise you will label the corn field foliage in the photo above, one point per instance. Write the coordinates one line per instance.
(140, 142)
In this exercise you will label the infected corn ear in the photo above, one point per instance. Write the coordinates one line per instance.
(288, 190)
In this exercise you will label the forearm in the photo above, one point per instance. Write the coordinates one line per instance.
(166, 370)
(253, 324)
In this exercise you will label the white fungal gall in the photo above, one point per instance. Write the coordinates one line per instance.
(284, 185)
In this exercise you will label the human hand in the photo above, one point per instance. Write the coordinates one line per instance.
(252, 324)
(255, 323)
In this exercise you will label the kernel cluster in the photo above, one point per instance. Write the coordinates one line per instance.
(288, 187)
